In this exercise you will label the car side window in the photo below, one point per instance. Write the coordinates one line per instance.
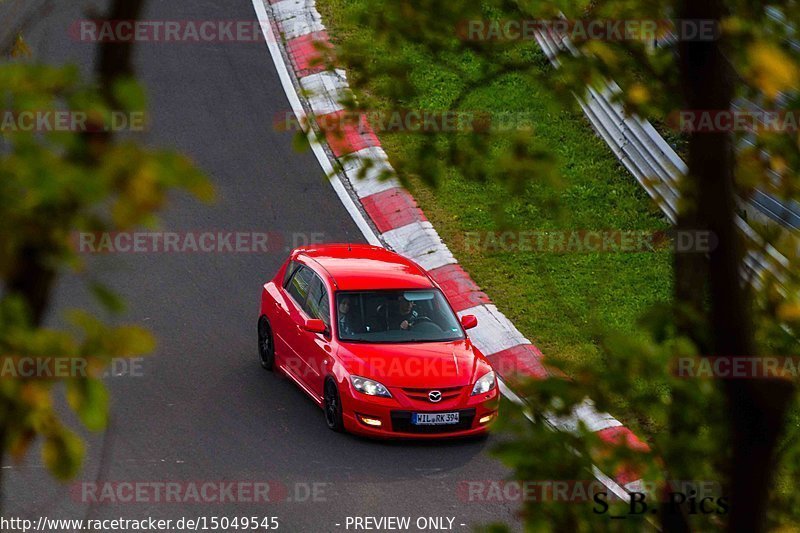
(317, 302)
(299, 284)
(287, 275)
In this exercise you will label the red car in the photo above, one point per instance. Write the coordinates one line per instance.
(372, 339)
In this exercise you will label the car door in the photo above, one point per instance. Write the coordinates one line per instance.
(295, 293)
(315, 348)
(282, 329)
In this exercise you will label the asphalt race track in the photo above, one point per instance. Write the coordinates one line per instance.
(201, 408)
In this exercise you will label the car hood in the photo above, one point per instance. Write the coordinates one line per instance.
(415, 365)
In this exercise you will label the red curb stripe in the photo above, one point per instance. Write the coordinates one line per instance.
(392, 208)
(521, 360)
(308, 52)
(626, 474)
(347, 135)
(460, 289)
(620, 435)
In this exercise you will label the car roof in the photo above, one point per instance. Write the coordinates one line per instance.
(354, 267)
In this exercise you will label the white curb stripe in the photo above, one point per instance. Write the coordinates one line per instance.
(615, 487)
(419, 242)
(370, 184)
(297, 107)
(297, 17)
(635, 486)
(609, 483)
(511, 395)
(585, 412)
(495, 332)
(325, 90)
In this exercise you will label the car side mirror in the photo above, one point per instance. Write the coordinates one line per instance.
(315, 325)
(469, 321)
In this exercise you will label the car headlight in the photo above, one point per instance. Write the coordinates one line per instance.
(369, 387)
(486, 383)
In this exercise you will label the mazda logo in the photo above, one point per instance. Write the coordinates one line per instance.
(435, 396)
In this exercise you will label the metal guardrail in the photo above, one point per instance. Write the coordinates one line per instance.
(654, 163)
(783, 212)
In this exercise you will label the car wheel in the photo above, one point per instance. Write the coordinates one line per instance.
(333, 406)
(266, 348)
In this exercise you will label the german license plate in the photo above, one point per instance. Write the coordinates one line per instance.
(434, 419)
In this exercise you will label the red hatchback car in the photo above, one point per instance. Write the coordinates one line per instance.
(372, 339)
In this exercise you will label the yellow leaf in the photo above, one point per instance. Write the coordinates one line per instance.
(19, 444)
(771, 70)
(731, 25)
(602, 51)
(789, 312)
(20, 48)
(638, 94)
(143, 186)
(35, 395)
(778, 164)
(62, 453)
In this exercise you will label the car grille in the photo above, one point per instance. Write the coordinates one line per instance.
(421, 395)
(401, 422)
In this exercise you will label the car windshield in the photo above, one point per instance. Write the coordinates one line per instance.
(393, 316)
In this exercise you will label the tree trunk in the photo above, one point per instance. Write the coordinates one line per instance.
(34, 275)
(757, 408)
(32, 279)
(115, 60)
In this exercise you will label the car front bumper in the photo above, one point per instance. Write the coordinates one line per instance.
(476, 415)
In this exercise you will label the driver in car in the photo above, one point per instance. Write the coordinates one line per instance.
(348, 324)
(405, 317)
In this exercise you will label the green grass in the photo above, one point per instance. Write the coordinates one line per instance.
(559, 301)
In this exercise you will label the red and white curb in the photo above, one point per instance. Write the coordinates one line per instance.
(389, 216)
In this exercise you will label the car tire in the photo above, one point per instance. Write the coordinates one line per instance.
(266, 347)
(332, 406)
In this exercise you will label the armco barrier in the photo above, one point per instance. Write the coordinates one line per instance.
(655, 165)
